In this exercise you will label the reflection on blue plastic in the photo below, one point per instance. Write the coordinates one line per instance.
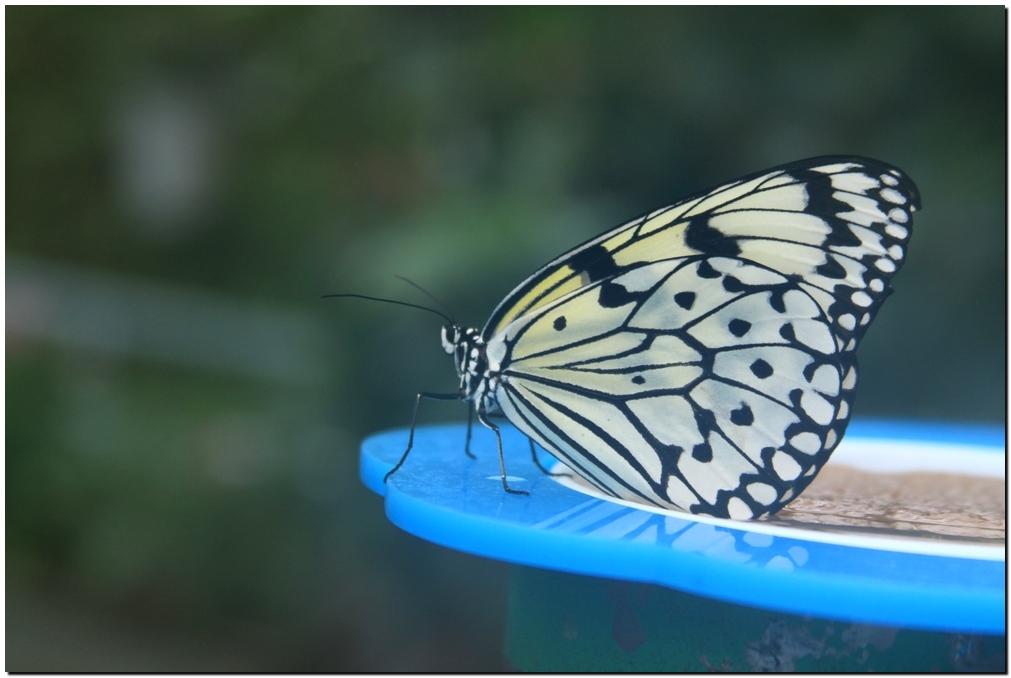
(443, 496)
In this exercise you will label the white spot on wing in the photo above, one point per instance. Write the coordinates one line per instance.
(854, 182)
(861, 298)
(817, 407)
(885, 265)
(808, 443)
(898, 215)
(738, 510)
(844, 411)
(783, 224)
(893, 196)
(814, 334)
(762, 493)
(785, 466)
(831, 169)
(850, 380)
(896, 231)
(826, 380)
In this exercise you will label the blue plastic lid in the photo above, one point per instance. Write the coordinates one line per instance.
(445, 497)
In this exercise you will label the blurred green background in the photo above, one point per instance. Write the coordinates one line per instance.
(184, 412)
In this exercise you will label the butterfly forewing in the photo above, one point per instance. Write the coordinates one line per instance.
(833, 222)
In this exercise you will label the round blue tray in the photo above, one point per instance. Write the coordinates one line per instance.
(444, 497)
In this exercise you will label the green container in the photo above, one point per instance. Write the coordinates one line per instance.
(566, 622)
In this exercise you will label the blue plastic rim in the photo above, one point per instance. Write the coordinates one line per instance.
(445, 497)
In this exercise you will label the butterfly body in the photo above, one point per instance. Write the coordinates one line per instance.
(702, 356)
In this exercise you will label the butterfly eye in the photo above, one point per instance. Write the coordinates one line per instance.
(450, 338)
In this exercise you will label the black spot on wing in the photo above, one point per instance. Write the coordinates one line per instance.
(703, 452)
(738, 327)
(831, 269)
(700, 236)
(613, 295)
(596, 262)
(671, 454)
(786, 331)
(685, 300)
(777, 301)
(840, 234)
(706, 270)
(742, 416)
(810, 369)
(733, 285)
(638, 379)
(763, 370)
(559, 323)
(705, 420)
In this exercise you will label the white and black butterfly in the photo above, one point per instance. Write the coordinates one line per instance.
(701, 357)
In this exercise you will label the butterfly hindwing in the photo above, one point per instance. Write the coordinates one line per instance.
(717, 403)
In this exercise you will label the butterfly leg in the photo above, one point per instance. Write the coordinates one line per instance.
(533, 453)
(470, 429)
(501, 456)
(414, 420)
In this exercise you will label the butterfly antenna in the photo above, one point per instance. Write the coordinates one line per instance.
(426, 293)
(392, 301)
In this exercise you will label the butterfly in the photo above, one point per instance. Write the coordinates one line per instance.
(700, 357)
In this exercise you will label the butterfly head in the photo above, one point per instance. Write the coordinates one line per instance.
(451, 337)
